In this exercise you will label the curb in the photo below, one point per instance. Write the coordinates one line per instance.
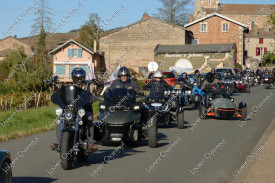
(260, 142)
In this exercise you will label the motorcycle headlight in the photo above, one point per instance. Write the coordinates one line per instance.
(58, 111)
(266, 79)
(68, 115)
(210, 99)
(232, 100)
(195, 84)
(188, 92)
(137, 107)
(241, 82)
(102, 107)
(81, 112)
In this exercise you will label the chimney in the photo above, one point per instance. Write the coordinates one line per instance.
(190, 18)
(95, 45)
(145, 16)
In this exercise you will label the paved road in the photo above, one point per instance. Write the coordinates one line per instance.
(209, 153)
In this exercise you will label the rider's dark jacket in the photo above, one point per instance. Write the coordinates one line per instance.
(156, 86)
(205, 83)
(129, 84)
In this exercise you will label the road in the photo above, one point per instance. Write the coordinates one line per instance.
(210, 152)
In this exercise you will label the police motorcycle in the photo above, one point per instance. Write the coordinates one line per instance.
(120, 113)
(177, 105)
(71, 100)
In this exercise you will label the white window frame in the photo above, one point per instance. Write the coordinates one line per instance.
(223, 23)
(206, 26)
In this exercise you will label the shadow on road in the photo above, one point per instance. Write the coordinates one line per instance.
(32, 180)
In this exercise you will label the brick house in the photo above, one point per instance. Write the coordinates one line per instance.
(133, 45)
(10, 43)
(72, 54)
(257, 43)
(218, 29)
(252, 15)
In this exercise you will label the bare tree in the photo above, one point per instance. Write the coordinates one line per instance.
(174, 11)
(43, 22)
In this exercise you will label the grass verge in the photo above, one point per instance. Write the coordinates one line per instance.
(27, 122)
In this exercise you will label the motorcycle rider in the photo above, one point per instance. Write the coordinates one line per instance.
(78, 76)
(186, 79)
(210, 79)
(198, 77)
(124, 81)
(214, 72)
(157, 83)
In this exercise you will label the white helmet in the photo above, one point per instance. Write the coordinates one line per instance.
(158, 74)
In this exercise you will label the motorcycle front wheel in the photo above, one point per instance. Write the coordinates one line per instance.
(66, 150)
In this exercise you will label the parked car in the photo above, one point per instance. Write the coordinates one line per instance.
(5, 165)
(169, 76)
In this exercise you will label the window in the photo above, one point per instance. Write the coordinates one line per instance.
(261, 40)
(75, 53)
(257, 51)
(143, 69)
(225, 27)
(203, 27)
(195, 41)
(60, 70)
(265, 50)
(71, 68)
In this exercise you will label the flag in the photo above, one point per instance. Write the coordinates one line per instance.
(113, 76)
(90, 73)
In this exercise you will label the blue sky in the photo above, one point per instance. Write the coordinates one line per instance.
(17, 15)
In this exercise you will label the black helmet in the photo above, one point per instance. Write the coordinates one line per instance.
(209, 77)
(197, 71)
(123, 71)
(78, 75)
(184, 75)
(213, 70)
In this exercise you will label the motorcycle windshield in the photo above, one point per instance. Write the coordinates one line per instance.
(71, 95)
(120, 97)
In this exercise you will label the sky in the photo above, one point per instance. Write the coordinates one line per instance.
(17, 15)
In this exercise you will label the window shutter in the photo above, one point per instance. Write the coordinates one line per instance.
(261, 40)
(60, 70)
(79, 53)
(265, 50)
(70, 52)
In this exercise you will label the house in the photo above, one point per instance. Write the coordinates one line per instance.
(218, 29)
(10, 43)
(252, 15)
(257, 43)
(133, 45)
(72, 54)
(188, 58)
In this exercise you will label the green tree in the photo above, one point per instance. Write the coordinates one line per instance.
(91, 30)
(174, 11)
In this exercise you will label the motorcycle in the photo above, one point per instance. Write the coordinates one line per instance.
(242, 86)
(158, 105)
(120, 113)
(177, 105)
(71, 100)
(267, 81)
(192, 95)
